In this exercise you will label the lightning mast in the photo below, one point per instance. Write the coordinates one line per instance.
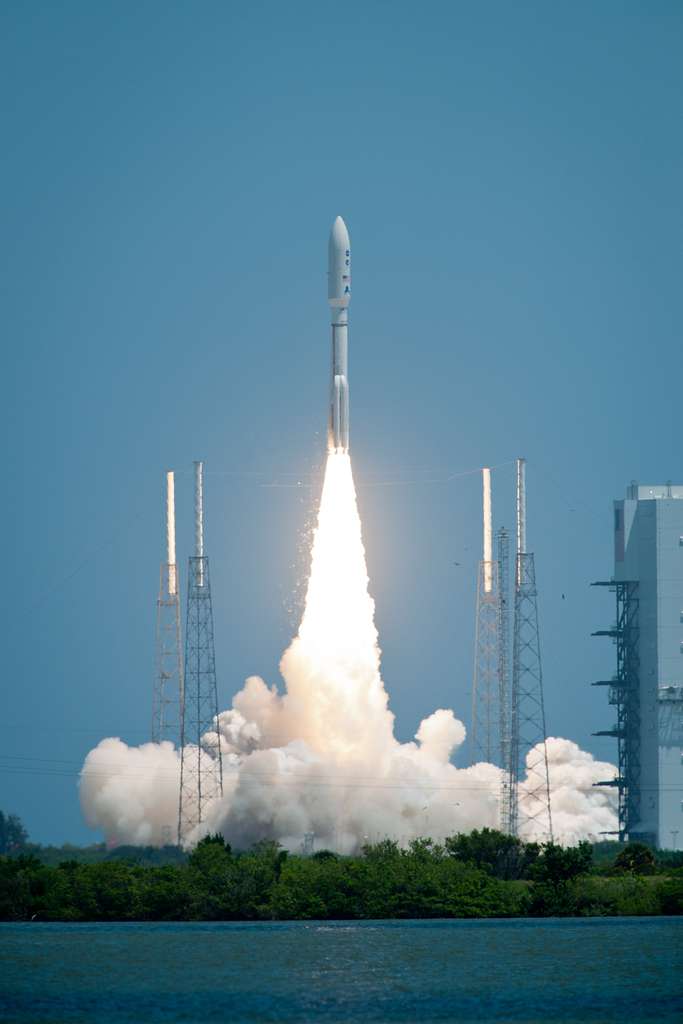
(488, 709)
(201, 765)
(527, 713)
(168, 682)
(503, 550)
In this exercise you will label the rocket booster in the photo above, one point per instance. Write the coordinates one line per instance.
(338, 296)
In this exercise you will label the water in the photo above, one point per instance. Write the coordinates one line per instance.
(614, 969)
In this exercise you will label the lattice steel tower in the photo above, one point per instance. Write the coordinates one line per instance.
(168, 681)
(527, 713)
(488, 698)
(201, 766)
(503, 549)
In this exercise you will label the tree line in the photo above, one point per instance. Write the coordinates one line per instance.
(481, 874)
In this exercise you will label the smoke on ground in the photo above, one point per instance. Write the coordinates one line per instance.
(321, 759)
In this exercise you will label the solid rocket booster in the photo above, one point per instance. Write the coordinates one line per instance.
(338, 296)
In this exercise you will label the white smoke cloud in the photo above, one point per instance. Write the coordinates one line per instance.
(322, 757)
(439, 735)
(131, 793)
(579, 809)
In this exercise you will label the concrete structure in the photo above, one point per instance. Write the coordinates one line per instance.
(648, 561)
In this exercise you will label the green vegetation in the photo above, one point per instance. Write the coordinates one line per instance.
(98, 853)
(483, 874)
(14, 841)
(13, 835)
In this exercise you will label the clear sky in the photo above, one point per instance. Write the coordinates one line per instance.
(511, 178)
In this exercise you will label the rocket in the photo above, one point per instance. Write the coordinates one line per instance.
(338, 296)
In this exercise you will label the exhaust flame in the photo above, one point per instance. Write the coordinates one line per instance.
(322, 758)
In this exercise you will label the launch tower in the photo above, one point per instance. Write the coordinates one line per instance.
(201, 766)
(503, 550)
(527, 713)
(168, 681)
(488, 690)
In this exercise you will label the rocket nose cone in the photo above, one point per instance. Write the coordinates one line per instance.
(339, 266)
(339, 235)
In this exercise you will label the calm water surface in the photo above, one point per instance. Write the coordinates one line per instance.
(627, 970)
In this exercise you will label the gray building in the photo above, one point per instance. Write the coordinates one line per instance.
(648, 687)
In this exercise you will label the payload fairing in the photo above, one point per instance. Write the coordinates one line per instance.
(338, 296)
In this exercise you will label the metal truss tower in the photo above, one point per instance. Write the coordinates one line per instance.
(527, 713)
(168, 681)
(624, 694)
(201, 765)
(503, 548)
(488, 699)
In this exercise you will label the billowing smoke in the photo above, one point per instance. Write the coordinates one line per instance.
(321, 759)
(579, 810)
(131, 792)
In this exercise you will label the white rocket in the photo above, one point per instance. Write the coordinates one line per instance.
(338, 296)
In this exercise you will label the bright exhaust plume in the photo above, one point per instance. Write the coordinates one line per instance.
(321, 759)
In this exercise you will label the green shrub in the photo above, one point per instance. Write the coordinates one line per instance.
(670, 895)
(635, 859)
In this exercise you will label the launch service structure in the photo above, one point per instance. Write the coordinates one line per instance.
(646, 689)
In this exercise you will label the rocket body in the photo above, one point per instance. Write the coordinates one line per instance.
(338, 297)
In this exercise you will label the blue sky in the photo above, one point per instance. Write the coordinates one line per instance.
(510, 175)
